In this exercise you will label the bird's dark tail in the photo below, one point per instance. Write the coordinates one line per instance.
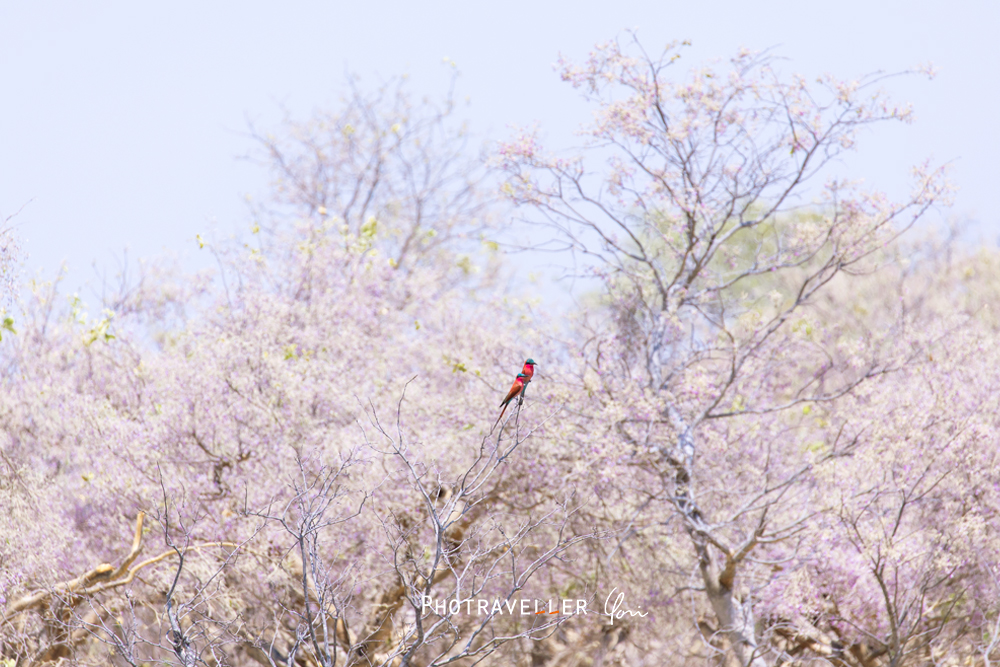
(505, 404)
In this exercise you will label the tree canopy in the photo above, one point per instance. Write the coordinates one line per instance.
(769, 438)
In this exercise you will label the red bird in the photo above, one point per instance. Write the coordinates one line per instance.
(515, 391)
(528, 371)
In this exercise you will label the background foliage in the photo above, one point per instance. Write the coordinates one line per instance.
(771, 429)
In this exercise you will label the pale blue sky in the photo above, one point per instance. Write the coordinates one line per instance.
(122, 122)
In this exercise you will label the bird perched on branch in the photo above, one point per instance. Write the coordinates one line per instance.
(515, 391)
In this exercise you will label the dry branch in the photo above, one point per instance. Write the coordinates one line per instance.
(103, 577)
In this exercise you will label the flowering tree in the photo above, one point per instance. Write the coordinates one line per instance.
(381, 162)
(769, 440)
(303, 474)
(716, 351)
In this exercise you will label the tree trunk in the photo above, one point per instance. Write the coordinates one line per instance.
(735, 618)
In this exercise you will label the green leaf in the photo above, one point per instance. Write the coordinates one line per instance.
(8, 324)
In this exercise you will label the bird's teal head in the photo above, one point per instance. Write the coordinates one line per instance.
(521, 376)
(529, 362)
